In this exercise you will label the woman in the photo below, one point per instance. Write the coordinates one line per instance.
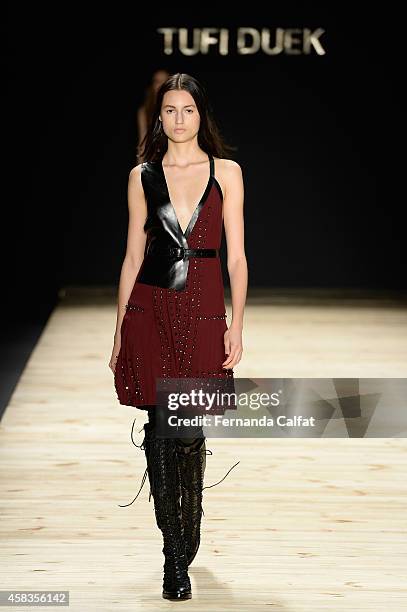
(144, 112)
(171, 319)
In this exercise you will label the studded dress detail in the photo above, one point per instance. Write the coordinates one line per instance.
(175, 317)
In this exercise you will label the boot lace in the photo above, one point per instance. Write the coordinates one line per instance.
(142, 447)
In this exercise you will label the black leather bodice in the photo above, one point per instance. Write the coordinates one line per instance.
(164, 232)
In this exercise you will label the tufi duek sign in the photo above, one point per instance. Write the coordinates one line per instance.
(242, 41)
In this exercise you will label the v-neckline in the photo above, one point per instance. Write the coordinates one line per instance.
(188, 230)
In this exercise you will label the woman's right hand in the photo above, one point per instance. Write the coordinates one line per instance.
(115, 354)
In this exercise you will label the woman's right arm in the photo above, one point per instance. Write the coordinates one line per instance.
(136, 242)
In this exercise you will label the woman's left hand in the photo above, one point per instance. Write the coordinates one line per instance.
(233, 347)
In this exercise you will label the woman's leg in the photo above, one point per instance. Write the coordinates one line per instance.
(191, 457)
(165, 488)
(191, 464)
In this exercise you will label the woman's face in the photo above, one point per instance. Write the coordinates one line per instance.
(179, 115)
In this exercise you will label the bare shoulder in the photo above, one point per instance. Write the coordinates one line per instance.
(229, 169)
(228, 173)
(135, 173)
(227, 165)
(135, 178)
(135, 186)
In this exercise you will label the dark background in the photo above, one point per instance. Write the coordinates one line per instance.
(316, 137)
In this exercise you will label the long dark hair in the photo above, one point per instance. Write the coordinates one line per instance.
(155, 142)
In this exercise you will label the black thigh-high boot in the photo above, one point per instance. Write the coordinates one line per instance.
(191, 453)
(163, 474)
(188, 479)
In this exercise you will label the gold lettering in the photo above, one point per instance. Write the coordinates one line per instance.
(183, 41)
(312, 39)
(242, 48)
(168, 39)
(207, 39)
(224, 41)
(278, 40)
(290, 41)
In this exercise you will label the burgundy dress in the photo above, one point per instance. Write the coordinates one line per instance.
(175, 318)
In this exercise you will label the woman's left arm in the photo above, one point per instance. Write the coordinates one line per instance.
(236, 258)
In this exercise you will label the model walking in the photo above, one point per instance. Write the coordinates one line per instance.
(171, 320)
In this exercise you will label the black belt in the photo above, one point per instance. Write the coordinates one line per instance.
(181, 252)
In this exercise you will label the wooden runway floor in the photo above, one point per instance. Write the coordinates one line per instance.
(299, 524)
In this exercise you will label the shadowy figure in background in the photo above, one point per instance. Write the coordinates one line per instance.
(145, 111)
